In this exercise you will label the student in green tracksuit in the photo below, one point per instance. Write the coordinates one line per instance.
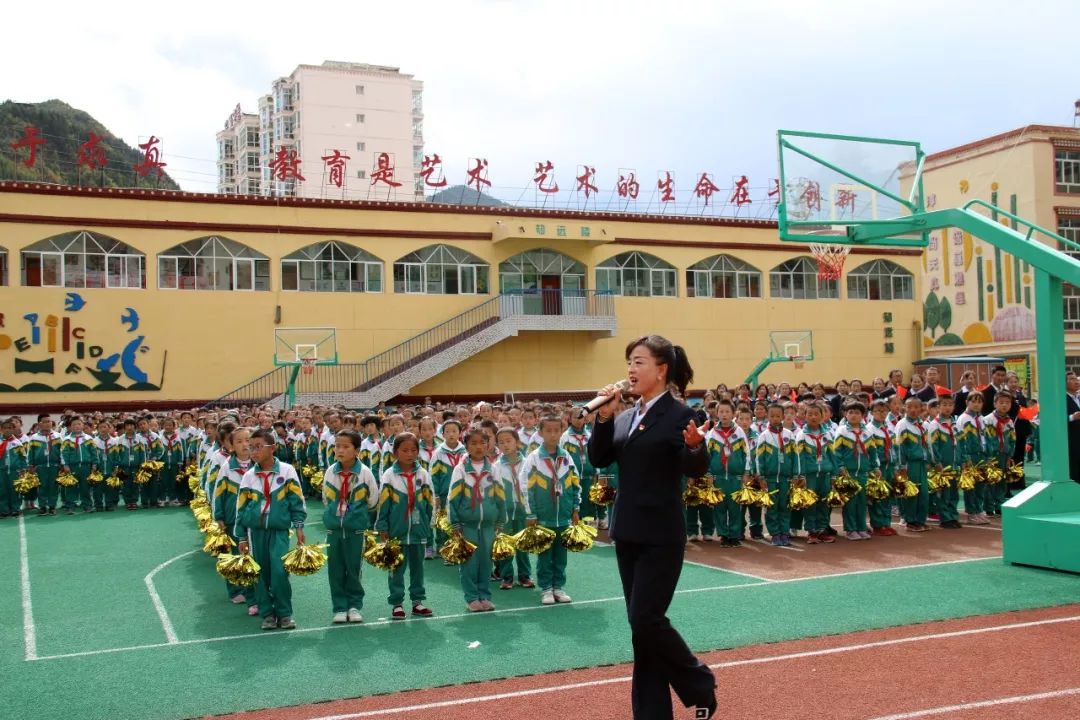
(816, 465)
(105, 498)
(774, 460)
(552, 500)
(884, 448)
(350, 492)
(44, 458)
(173, 459)
(574, 442)
(730, 466)
(508, 471)
(12, 462)
(406, 506)
(271, 502)
(130, 457)
(79, 455)
(913, 455)
(444, 462)
(853, 448)
(943, 445)
(224, 500)
(476, 505)
(1000, 436)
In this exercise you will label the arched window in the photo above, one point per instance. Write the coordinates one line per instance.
(83, 259)
(540, 269)
(441, 270)
(635, 274)
(797, 279)
(331, 267)
(880, 280)
(213, 263)
(723, 276)
(3, 267)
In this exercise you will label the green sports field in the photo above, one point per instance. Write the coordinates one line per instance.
(122, 615)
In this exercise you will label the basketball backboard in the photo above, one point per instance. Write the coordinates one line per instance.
(791, 344)
(298, 346)
(830, 183)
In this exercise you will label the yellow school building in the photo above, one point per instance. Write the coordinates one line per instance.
(142, 298)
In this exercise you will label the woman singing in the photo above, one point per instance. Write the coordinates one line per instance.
(655, 442)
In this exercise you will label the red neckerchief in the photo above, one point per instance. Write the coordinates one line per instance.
(454, 458)
(1000, 433)
(725, 435)
(3, 447)
(266, 489)
(579, 439)
(412, 492)
(554, 468)
(948, 428)
(477, 495)
(514, 472)
(922, 435)
(779, 436)
(343, 493)
(817, 442)
(857, 432)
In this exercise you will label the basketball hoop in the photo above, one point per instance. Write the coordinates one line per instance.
(308, 365)
(830, 260)
(799, 360)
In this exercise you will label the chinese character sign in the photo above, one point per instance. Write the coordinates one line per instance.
(335, 165)
(478, 174)
(151, 158)
(845, 202)
(628, 186)
(431, 171)
(92, 153)
(541, 177)
(741, 193)
(30, 140)
(705, 188)
(384, 171)
(774, 192)
(285, 165)
(586, 181)
(666, 186)
(804, 198)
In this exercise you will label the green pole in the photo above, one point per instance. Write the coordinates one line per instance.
(1050, 359)
(290, 390)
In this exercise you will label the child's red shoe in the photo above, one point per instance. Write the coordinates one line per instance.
(398, 613)
(419, 610)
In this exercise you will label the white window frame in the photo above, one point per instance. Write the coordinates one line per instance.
(80, 245)
(886, 274)
(227, 260)
(806, 269)
(1066, 171)
(637, 265)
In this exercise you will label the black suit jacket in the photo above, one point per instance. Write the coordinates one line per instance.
(652, 462)
(1074, 438)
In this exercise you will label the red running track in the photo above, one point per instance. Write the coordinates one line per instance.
(1010, 666)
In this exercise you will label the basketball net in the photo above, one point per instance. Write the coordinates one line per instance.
(830, 259)
(308, 365)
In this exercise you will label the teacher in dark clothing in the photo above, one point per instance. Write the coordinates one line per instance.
(656, 442)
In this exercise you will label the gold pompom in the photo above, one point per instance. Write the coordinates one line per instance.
(534, 539)
(991, 472)
(843, 488)
(305, 559)
(969, 478)
(578, 537)
(385, 555)
(903, 487)
(802, 498)
(746, 495)
(27, 481)
(503, 548)
(143, 476)
(941, 479)
(442, 521)
(114, 481)
(67, 479)
(191, 472)
(240, 570)
(199, 501)
(457, 550)
(217, 543)
(204, 520)
(309, 471)
(602, 495)
(702, 492)
(95, 478)
(1014, 472)
(877, 489)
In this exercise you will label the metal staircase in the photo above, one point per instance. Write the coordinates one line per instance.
(396, 370)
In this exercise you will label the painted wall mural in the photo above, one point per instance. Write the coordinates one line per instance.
(976, 293)
(75, 350)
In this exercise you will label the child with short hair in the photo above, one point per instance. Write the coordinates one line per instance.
(971, 449)
(271, 502)
(350, 492)
(1000, 445)
(106, 498)
(774, 460)
(508, 471)
(445, 461)
(913, 455)
(945, 451)
(132, 451)
(13, 460)
(885, 449)
(815, 465)
(44, 459)
(173, 460)
(79, 457)
(574, 442)
(752, 515)
(730, 466)
(406, 506)
(554, 500)
(371, 445)
(477, 510)
(224, 500)
(853, 450)
(395, 425)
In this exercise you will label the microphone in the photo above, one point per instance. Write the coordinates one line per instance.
(600, 401)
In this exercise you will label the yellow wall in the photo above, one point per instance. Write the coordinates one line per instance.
(215, 341)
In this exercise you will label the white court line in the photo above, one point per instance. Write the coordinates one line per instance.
(29, 630)
(716, 666)
(724, 569)
(983, 527)
(163, 615)
(454, 616)
(982, 704)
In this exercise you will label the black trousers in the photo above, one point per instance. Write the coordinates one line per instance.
(661, 658)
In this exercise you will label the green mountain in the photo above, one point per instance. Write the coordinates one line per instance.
(464, 195)
(64, 129)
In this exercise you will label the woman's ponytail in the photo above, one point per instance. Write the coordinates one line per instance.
(680, 374)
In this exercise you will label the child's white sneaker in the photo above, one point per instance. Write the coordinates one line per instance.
(340, 618)
(562, 597)
(602, 525)
(547, 598)
(355, 616)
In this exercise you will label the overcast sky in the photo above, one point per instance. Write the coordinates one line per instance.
(686, 86)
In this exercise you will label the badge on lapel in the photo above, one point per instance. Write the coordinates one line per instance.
(641, 427)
